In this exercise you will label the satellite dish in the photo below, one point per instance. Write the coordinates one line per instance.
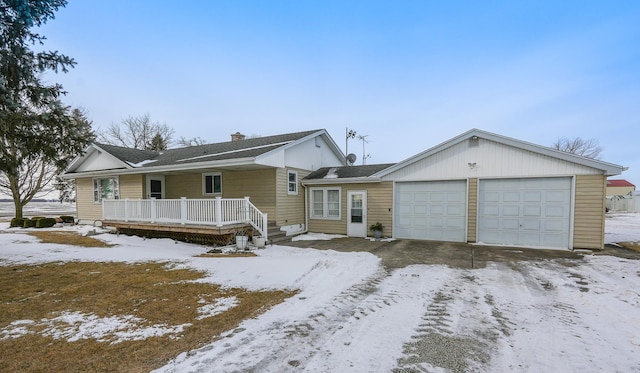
(351, 159)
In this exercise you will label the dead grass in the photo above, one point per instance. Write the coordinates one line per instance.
(635, 246)
(147, 290)
(68, 238)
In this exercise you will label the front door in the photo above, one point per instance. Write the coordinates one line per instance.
(155, 186)
(357, 213)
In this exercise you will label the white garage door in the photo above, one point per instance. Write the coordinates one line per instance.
(527, 212)
(434, 210)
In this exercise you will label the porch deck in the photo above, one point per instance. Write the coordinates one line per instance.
(204, 234)
(190, 217)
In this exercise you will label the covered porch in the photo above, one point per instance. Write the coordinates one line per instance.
(214, 216)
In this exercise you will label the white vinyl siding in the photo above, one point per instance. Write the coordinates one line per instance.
(325, 203)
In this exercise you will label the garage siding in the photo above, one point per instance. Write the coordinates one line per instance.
(431, 210)
(472, 210)
(589, 212)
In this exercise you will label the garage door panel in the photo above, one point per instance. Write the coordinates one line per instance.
(509, 210)
(437, 197)
(492, 197)
(439, 210)
(529, 224)
(555, 212)
(529, 212)
(532, 196)
(491, 210)
(513, 224)
(510, 197)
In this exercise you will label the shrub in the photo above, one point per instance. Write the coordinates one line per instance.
(68, 219)
(29, 223)
(17, 222)
(45, 222)
(377, 227)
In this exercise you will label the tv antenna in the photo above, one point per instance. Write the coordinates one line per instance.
(364, 154)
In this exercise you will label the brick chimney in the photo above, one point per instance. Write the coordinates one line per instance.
(237, 136)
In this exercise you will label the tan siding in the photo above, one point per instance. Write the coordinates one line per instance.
(87, 210)
(379, 209)
(472, 208)
(258, 185)
(184, 185)
(131, 186)
(588, 231)
(289, 208)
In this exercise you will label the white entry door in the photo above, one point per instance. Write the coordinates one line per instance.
(357, 213)
(155, 186)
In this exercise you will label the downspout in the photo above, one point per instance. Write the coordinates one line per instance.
(306, 213)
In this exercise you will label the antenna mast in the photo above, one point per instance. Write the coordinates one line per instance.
(364, 154)
(349, 134)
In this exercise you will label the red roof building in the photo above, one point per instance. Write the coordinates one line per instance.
(619, 187)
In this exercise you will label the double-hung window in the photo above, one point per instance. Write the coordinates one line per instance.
(292, 182)
(106, 188)
(211, 183)
(325, 203)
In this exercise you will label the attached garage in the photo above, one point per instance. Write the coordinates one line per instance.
(500, 191)
(431, 210)
(525, 212)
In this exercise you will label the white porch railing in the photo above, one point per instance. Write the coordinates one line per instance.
(218, 212)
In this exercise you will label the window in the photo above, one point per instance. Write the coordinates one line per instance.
(325, 203)
(105, 188)
(292, 182)
(212, 183)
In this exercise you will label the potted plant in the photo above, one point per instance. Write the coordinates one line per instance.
(377, 229)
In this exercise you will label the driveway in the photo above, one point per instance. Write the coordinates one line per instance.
(401, 253)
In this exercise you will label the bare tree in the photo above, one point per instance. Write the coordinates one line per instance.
(138, 133)
(194, 141)
(586, 148)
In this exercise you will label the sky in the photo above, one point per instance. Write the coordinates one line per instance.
(408, 75)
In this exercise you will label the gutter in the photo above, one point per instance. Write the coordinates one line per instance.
(160, 169)
(346, 180)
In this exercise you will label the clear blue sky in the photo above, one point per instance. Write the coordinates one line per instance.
(409, 74)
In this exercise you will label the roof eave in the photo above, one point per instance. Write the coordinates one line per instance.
(346, 180)
(167, 168)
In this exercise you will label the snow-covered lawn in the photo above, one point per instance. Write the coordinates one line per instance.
(352, 315)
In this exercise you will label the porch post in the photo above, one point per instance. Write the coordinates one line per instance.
(265, 227)
(246, 209)
(183, 210)
(153, 210)
(217, 210)
(126, 209)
